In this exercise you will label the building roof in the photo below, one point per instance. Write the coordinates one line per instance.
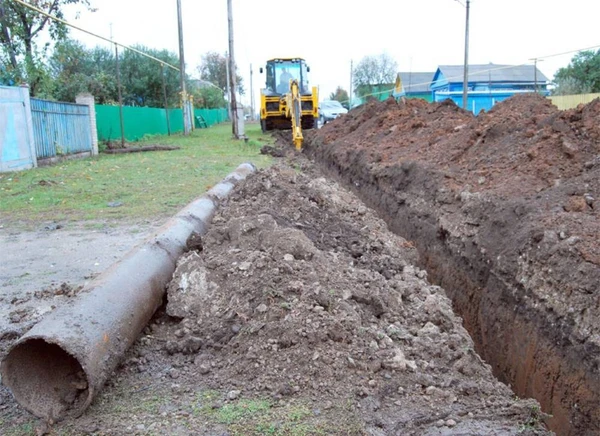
(491, 73)
(416, 82)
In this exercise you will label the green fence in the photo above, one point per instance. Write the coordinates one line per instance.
(141, 121)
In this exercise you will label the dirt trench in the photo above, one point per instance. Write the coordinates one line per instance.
(502, 210)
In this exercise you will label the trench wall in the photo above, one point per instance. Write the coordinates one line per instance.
(535, 352)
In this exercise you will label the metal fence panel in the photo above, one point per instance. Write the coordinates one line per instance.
(60, 128)
(16, 139)
(142, 121)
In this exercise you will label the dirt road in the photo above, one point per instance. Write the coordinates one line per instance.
(40, 269)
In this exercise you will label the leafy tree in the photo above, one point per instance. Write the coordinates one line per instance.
(209, 97)
(141, 80)
(581, 76)
(373, 71)
(340, 95)
(77, 69)
(19, 27)
(213, 69)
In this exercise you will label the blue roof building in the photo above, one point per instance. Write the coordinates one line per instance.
(487, 84)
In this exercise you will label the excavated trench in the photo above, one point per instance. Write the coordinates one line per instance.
(525, 348)
(490, 255)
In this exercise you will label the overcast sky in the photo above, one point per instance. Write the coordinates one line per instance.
(418, 34)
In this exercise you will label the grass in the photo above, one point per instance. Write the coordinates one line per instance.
(260, 416)
(149, 185)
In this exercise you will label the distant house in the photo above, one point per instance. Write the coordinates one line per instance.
(415, 85)
(487, 84)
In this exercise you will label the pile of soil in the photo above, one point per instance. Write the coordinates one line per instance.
(300, 290)
(502, 209)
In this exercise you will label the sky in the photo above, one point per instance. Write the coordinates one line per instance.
(330, 34)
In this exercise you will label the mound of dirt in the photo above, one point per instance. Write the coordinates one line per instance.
(502, 208)
(301, 291)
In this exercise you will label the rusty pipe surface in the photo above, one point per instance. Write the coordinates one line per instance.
(57, 368)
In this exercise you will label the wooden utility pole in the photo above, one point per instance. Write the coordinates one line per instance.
(466, 67)
(251, 95)
(184, 96)
(232, 70)
(120, 94)
(351, 79)
(228, 86)
(165, 101)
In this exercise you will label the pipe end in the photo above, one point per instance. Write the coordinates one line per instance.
(46, 380)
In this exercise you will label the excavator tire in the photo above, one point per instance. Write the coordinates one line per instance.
(309, 122)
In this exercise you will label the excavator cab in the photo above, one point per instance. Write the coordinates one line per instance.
(280, 72)
(287, 101)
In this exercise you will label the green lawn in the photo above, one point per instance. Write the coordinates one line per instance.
(147, 185)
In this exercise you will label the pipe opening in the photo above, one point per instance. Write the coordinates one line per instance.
(45, 379)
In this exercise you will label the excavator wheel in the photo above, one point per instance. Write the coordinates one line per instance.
(309, 122)
(266, 125)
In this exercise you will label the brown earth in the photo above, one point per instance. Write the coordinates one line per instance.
(502, 210)
(299, 313)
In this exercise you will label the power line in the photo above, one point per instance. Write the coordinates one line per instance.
(567, 52)
(66, 23)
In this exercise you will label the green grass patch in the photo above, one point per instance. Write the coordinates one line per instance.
(27, 428)
(260, 416)
(242, 410)
(148, 185)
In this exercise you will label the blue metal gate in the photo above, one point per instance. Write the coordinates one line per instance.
(60, 128)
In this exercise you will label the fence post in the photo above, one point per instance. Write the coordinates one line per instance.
(27, 102)
(88, 100)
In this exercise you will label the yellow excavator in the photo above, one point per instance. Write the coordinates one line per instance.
(287, 101)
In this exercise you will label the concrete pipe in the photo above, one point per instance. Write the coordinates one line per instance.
(57, 368)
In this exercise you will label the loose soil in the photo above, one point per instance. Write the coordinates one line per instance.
(299, 312)
(502, 209)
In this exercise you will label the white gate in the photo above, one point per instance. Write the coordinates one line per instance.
(17, 148)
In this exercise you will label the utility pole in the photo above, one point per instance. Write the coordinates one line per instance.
(232, 70)
(350, 93)
(466, 66)
(251, 96)
(228, 91)
(165, 101)
(184, 96)
(120, 94)
(535, 79)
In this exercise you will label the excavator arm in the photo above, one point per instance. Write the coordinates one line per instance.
(294, 112)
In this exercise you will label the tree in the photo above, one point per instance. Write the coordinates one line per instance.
(373, 71)
(581, 76)
(340, 95)
(20, 26)
(209, 97)
(213, 69)
(76, 69)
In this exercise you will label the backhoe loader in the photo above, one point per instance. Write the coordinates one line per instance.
(287, 101)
